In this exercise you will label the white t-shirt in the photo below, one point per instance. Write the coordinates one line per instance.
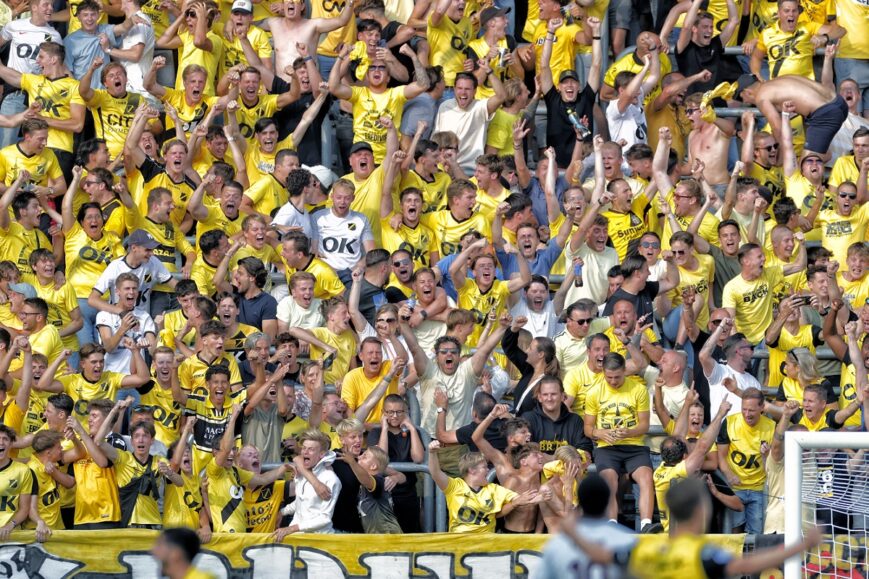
(119, 359)
(595, 282)
(629, 125)
(718, 393)
(340, 239)
(469, 126)
(295, 316)
(388, 351)
(150, 273)
(290, 216)
(460, 389)
(541, 324)
(24, 38)
(136, 70)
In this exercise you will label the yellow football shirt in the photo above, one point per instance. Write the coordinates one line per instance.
(612, 408)
(56, 97)
(474, 511)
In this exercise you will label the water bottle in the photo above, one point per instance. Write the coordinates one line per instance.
(411, 303)
(577, 274)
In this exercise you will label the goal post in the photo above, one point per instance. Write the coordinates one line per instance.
(805, 483)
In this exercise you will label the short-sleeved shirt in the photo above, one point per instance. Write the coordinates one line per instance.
(459, 387)
(255, 311)
(474, 510)
(612, 408)
(743, 453)
(376, 510)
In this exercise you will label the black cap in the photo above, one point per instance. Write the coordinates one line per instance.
(745, 81)
(143, 238)
(489, 13)
(568, 74)
(360, 146)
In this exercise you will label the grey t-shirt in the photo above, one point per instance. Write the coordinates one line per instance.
(375, 509)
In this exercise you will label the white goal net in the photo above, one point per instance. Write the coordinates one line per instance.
(827, 485)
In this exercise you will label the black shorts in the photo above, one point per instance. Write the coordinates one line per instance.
(823, 124)
(624, 459)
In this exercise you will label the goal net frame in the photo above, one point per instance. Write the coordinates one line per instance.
(795, 444)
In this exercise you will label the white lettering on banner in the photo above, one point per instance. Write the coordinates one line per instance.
(273, 561)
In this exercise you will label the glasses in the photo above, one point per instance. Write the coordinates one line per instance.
(393, 412)
(683, 196)
(850, 196)
(650, 244)
(388, 320)
(28, 313)
(690, 112)
(190, 14)
(679, 251)
(376, 67)
(89, 182)
(400, 262)
(715, 322)
(448, 351)
(581, 321)
(769, 148)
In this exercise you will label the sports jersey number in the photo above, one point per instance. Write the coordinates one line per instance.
(470, 516)
(746, 461)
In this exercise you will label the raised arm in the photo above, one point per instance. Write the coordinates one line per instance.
(493, 455)
(434, 466)
(687, 25)
(485, 348)
(636, 85)
(376, 395)
(660, 162)
(695, 460)
(705, 354)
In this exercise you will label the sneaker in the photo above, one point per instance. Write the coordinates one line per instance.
(652, 528)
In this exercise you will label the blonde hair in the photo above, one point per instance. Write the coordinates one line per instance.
(380, 457)
(469, 461)
(349, 426)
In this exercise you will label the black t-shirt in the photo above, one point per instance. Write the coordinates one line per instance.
(494, 435)
(701, 383)
(253, 311)
(559, 132)
(371, 297)
(346, 515)
(696, 58)
(288, 118)
(399, 451)
(642, 301)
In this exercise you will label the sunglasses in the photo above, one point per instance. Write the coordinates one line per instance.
(582, 321)
(769, 148)
(388, 320)
(449, 351)
(690, 112)
(850, 196)
(679, 251)
(400, 262)
(715, 322)
(89, 182)
(376, 67)
(650, 244)
(190, 14)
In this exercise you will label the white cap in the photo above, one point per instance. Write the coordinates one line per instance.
(323, 174)
(243, 5)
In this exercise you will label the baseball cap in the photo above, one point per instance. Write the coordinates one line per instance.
(25, 289)
(242, 6)
(745, 81)
(143, 238)
(568, 74)
(323, 175)
(489, 13)
(360, 146)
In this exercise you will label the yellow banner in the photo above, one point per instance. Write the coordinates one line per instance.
(125, 553)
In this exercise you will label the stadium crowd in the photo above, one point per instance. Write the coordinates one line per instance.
(562, 266)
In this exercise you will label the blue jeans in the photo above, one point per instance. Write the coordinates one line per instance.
(166, 75)
(326, 63)
(671, 329)
(752, 516)
(87, 333)
(12, 105)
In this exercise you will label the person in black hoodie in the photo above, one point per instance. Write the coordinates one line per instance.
(552, 423)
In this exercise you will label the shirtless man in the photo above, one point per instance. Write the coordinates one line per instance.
(709, 142)
(823, 110)
(520, 472)
(294, 27)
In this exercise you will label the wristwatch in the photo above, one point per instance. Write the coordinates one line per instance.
(440, 410)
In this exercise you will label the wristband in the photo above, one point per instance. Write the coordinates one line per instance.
(308, 59)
